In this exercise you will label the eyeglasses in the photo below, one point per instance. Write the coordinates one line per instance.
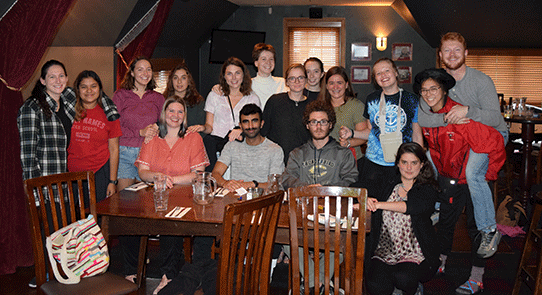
(298, 79)
(315, 123)
(432, 90)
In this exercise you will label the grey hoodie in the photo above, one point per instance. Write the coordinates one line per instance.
(330, 165)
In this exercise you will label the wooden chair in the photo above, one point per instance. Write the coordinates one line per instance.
(340, 237)
(246, 245)
(530, 268)
(50, 216)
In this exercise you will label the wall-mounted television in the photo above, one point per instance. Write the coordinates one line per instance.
(226, 43)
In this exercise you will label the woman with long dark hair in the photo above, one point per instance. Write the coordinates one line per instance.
(349, 110)
(182, 84)
(400, 251)
(139, 106)
(222, 111)
(45, 120)
(95, 140)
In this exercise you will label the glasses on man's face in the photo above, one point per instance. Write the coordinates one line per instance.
(315, 123)
(299, 79)
(432, 90)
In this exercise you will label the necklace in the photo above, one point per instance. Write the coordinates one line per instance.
(303, 98)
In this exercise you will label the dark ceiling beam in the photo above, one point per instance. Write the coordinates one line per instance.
(400, 7)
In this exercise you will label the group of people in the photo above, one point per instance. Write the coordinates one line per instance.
(308, 126)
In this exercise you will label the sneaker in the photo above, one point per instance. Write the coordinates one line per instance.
(489, 243)
(470, 287)
(32, 283)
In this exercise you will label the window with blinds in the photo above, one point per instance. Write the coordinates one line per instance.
(516, 73)
(322, 38)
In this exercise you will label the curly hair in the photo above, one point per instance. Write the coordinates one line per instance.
(128, 82)
(246, 85)
(38, 92)
(192, 96)
(80, 111)
(320, 106)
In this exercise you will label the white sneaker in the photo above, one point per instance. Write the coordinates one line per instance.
(489, 244)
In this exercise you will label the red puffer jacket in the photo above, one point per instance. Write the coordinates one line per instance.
(449, 146)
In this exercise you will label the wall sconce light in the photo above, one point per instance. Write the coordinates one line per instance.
(381, 43)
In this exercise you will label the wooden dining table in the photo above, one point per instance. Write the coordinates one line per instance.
(133, 213)
(527, 169)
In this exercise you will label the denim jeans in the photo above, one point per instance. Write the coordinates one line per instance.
(127, 157)
(482, 200)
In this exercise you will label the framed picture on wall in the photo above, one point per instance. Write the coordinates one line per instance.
(401, 51)
(361, 74)
(361, 51)
(405, 75)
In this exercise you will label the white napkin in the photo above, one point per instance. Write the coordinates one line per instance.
(136, 186)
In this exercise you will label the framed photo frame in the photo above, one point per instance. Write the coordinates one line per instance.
(361, 74)
(361, 51)
(405, 75)
(401, 51)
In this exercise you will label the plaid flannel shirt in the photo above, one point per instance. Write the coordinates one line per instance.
(43, 141)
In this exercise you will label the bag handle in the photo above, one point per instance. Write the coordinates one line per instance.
(72, 277)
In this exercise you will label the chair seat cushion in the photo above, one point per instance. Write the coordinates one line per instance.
(104, 284)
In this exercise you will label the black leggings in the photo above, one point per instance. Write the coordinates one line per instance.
(383, 278)
(453, 199)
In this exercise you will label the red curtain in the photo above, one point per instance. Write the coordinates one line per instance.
(27, 30)
(144, 44)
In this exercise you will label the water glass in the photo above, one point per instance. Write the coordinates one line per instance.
(161, 200)
(160, 182)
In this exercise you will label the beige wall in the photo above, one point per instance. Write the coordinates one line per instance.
(77, 59)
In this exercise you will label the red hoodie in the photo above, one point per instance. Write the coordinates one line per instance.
(449, 146)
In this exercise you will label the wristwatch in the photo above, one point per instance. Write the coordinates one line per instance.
(115, 182)
(255, 183)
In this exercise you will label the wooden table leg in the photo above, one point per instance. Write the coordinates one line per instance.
(526, 174)
(105, 228)
(142, 260)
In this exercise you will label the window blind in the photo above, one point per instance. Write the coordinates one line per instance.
(513, 75)
(305, 42)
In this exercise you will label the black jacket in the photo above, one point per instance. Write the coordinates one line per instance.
(420, 205)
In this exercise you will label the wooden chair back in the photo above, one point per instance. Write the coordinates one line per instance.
(55, 201)
(328, 236)
(246, 245)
